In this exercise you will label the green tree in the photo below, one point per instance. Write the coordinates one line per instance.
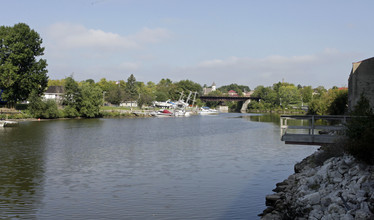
(130, 89)
(146, 94)
(20, 70)
(42, 109)
(306, 94)
(187, 85)
(115, 95)
(82, 100)
(91, 100)
(360, 132)
(288, 94)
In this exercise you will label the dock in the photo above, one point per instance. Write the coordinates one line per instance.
(312, 129)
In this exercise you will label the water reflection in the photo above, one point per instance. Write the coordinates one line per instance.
(22, 151)
(217, 167)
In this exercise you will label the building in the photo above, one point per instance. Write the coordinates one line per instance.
(361, 81)
(207, 90)
(54, 92)
(232, 93)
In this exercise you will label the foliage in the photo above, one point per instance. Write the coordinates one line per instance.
(187, 85)
(82, 100)
(146, 94)
(237, 88)
(56, 82)
(306, 93)
(91, 100)
(20, 71)
(281, 94)
(42, 109)
(332, 102)
(360, 132)
(115, 95)
(130, 89)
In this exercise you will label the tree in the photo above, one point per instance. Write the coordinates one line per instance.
(42, 109)
(115, 95)
(306, 94)
(91, 100)
(130, 89)
(20, 71)
(187, 85)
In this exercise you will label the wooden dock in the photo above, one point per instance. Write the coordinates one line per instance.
(311, 129)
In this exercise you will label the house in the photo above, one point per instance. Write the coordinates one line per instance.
(361, 81)
(54, 92)
(232, 93)
(207, 90)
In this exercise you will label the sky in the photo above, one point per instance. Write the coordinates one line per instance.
(247, 42)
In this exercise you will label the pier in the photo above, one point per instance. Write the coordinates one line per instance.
(311, 129)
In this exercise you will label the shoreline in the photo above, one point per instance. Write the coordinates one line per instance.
(337, 188)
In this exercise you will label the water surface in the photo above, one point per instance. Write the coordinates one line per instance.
(201, 167)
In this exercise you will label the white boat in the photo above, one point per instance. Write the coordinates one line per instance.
(181, 113)
(208, 111)
(163, 113)
(8, 123)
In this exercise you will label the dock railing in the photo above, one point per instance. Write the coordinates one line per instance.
(311, 129)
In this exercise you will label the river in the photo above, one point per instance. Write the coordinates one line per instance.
(200, 167)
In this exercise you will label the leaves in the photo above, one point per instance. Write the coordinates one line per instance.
(20, 71)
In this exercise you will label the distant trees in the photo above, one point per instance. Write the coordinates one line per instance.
(285, 95)
(333, 101)
(237, 88)
(42, 109)
(82, 100)
(20, 70)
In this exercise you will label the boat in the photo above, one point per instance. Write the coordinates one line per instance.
(8, 123)
(163, 113)
(208, 111)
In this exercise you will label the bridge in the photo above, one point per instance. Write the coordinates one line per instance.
(312, 129)
(245, 100)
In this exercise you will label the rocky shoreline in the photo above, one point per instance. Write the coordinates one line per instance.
(338, 188)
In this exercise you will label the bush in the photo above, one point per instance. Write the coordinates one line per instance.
(42, 109)
(360, 132)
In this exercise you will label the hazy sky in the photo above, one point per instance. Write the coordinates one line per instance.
(249, 42)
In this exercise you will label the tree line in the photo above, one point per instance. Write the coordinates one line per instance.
(23, 76)
(316, 101)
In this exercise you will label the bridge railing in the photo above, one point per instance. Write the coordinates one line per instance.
(311, 129)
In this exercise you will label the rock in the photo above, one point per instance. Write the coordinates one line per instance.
(272, 199)
(342, 169)
(347, 217)
(315, 214)
(341, 188)
(311, 199)
(361, 214)
(354, 170)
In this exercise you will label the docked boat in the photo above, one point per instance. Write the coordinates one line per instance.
(208, 111)
(163, 113)
(8, 123)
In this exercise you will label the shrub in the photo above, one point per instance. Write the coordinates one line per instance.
(42, 109)
(360, 132)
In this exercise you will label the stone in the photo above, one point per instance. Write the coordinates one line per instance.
(343, 169)
(347, 217)
(315, 214)
(354, 170)
(360, 214)
(272, 199)
(312, 199)
(335, 208)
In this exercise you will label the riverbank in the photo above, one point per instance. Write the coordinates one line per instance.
(338, 188)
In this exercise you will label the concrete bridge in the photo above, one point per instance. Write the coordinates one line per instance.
(245, 100)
